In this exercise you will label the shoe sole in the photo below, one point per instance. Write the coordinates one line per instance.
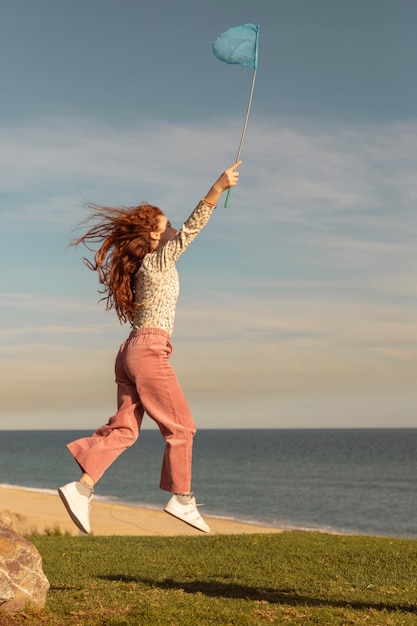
(74, 518)
(181, 519)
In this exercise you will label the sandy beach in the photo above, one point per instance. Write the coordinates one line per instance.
(30, 511)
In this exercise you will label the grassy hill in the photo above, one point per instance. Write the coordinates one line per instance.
(288, 578)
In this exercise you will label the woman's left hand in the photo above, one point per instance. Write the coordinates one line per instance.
(229, 178)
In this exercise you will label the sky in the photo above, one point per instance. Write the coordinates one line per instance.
(298, 302)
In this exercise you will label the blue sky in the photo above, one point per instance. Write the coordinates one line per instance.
(298, 302)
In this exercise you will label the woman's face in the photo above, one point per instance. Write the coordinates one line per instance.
(165, 232)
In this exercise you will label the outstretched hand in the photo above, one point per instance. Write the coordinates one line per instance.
(229, 178)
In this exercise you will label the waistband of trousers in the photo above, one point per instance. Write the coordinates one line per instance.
(135, 332)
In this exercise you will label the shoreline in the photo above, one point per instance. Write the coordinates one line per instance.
(29, 511)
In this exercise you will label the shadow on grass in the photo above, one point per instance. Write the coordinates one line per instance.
(271, 595)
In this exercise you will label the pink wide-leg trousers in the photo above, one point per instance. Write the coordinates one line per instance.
(146, 382)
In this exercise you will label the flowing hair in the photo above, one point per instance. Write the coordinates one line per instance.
(122, 235)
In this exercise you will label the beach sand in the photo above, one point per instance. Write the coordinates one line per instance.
(29, 511)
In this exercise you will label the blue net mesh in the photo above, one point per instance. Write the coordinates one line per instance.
(238, 45)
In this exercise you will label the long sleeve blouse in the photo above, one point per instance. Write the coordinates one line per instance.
(157, 282)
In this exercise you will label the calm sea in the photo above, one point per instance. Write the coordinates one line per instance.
(358, 481)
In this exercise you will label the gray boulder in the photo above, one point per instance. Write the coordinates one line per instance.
(22, 580)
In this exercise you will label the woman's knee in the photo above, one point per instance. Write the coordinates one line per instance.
(125, 435)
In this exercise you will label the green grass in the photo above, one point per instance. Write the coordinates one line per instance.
(245, 580)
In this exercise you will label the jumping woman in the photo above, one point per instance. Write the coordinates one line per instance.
(136, 250)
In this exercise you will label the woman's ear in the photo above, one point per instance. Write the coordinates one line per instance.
(155, 236)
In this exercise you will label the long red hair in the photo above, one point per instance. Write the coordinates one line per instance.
(123, 238)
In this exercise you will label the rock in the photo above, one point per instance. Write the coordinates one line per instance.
(22, 580)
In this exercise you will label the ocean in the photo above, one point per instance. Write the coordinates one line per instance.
(336, 480)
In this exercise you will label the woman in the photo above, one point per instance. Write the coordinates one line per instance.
(135, 261)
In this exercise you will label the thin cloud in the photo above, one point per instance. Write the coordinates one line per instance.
(336, 322)
(31, 302)
(302, 171)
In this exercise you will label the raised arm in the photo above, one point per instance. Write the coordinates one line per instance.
(172, 250)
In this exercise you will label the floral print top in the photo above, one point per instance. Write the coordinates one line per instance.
(157, 282)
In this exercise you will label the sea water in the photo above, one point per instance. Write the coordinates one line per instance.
(353, 480)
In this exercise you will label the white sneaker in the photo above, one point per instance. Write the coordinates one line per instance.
(187, 513)
(77, 503)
